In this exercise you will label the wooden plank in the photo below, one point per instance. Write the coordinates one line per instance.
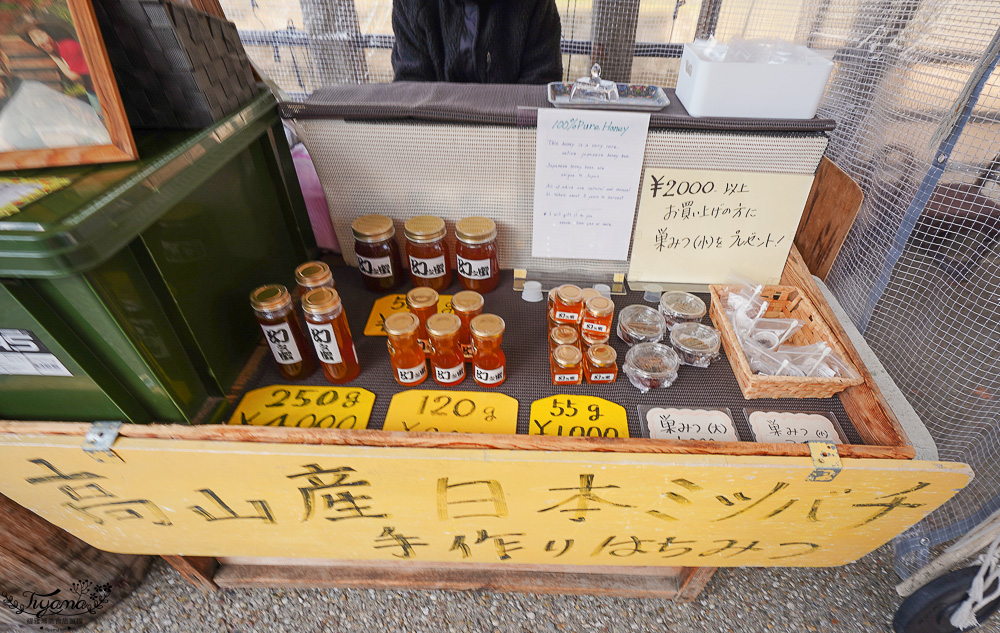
(831, 207)
(865, 404)
(198, 570)
(693, 583)
(503, 578)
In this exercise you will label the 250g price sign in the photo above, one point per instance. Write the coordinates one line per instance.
(452, 412)
(306, 407)
(578, 416)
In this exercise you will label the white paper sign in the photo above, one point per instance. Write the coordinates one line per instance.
(698, 226)
(775, 427)
(690, 424)
(587, 170)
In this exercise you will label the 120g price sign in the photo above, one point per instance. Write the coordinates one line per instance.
(578, 416)
(452, 412)
(305, 407)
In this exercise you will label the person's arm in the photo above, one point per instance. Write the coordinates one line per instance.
(541, 61)
(410, 58)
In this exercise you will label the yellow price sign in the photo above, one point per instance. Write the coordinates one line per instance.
(391, 304)
(305, 407)
(452, 412)
(580, 416)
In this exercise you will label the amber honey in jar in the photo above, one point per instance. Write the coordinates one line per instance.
(476, 254)
(377, 252)
(598, 314)
(423, 302)
(330, 335)
(567, 365)
(489, 364)
(447, 359)
(467, 305)
(427, 252)
(409, 363)
(568, 306)
(563, 335)
(313, 275)
(600, 364)
(272, 305)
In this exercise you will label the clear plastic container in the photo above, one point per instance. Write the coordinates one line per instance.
(640, 324)
(651, 366)
(681, 307)
(696, 344)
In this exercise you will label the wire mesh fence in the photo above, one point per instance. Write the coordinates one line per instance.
(919, 273)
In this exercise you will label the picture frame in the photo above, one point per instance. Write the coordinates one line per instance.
(59, 101)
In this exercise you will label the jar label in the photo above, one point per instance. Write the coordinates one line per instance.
(590, 326)
(325, 342)
(489, 376)
(427, 268)
(567, 378)
(415, 374)
(567, 316)
(449, 375)
(602, 377)
(283, 347)
(374, 266)
(474, 268)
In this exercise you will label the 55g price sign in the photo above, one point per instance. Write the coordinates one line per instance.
(305, 407)
(578, 416)
(452, 412)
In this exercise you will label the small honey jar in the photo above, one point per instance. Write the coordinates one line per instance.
(409, 363)
(567, 365)
(598, 314)
(568, 305)
(447, 360)
(423, 302)
(563, 335)
(489, 364)
(311, 275)
(272, 305)
(330, 335)
(600, 364)
(467, 305)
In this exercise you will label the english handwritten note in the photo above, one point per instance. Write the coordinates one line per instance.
(698, 227)
(587, 172)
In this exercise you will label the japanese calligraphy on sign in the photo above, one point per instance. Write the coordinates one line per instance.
(466, 505)
(698, 227)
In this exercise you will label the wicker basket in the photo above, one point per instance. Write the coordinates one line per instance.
(783, 302)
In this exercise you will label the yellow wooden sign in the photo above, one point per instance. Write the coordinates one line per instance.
(306, 407)
(582, 416)
(391, 304)
(452, 412)
(203, 498)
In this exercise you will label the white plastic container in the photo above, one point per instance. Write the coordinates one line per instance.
(752, 90)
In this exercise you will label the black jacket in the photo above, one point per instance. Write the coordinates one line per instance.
(476, 41)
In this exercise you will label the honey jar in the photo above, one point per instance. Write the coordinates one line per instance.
(489, 364)
(447, 359)
(598, 314)
(409, 363)
(330, 335)
(567, 365)
(427, 253)
(467, 305)
(272, 306)
(423, 302)
(476, 254)
(600, 364)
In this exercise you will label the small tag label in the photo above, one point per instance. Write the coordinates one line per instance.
(602, 377)
(590, 326)
(474, 268)
(489, 376)
(567, 316)
(427, 268)
(409, 376)
(713, 425)
(468, 350)
(279, 338)
(374, 266)
(567, 378)
(325, 342)
(454, 374)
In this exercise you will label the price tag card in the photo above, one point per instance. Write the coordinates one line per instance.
(452, 412)
(778, 427)
(579, 416)
(713, 425)
(391, 304)
(306, 407)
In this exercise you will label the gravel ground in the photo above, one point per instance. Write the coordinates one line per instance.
(854, 598)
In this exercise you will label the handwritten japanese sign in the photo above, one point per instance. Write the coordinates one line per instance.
(779, 427)
(455, 505)
(579, 416)
(452, 412)
(305, 407)
(391, 304)
(698, 226)
(714, 425)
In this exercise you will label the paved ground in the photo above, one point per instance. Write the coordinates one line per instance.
(855, 598)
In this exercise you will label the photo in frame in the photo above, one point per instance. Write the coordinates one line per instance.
(59, 103)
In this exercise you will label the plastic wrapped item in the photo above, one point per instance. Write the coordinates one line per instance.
(640, 324)
(778, 330)
(651, 366)
(696, 344)
(681, 307)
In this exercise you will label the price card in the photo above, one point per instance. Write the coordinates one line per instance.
(391, 304)
(452, 412)
(778, 427)
(578, 416)
(713, 425)
(305, 407)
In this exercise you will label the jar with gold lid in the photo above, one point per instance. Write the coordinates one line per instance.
(423, 302)
(489, 364)
(330, 335)
(447, 360)
(467, 305)
(600, 364)
(409, 363)
(476, 254)
(598, 314)
(313, 275)
(272, 306)
(427, 252)
(567, 365)
(377, 252)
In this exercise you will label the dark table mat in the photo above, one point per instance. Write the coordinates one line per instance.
(525, 344)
